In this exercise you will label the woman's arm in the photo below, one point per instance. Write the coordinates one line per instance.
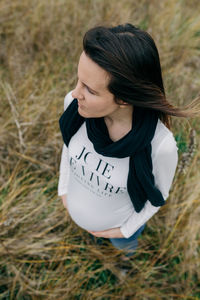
(63, 172)
(64, 163)
(64, 176)
(165, 164)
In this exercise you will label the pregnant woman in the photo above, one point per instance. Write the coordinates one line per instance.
(119, 156)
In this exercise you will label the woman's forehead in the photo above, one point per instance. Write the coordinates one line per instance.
(91, 73)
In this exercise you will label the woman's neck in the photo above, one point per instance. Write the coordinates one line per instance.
(123, 116)
(120, 124)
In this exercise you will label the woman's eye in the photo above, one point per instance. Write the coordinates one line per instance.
(89, 91)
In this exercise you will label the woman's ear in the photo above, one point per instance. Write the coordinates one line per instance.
(122, 104)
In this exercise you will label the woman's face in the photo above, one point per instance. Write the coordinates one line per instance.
(94, 99)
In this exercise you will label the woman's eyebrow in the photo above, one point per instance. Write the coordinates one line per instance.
(90, 88)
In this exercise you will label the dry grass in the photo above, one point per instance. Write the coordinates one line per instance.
(43, 254)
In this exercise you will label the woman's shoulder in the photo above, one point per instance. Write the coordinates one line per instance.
(163, 141)
(68, 99)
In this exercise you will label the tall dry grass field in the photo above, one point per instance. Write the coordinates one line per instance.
(43, 254)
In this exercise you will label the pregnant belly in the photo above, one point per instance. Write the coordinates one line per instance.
(96, 216)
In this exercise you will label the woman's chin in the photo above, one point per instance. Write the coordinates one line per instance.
(82, 113)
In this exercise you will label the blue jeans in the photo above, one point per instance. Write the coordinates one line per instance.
(128, 244)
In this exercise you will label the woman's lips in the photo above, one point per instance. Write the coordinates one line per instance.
(80, 105)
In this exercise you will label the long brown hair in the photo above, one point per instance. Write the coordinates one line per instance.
(130, 56)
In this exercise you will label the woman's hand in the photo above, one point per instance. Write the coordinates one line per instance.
(64, 200)
(109, 233)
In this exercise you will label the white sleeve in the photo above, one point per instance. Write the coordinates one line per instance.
(164, 168)
(64, 172)
(64, 163)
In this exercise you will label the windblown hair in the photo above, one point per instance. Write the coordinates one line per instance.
(131, 58)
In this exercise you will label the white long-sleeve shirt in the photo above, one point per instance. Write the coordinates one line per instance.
(96, 185)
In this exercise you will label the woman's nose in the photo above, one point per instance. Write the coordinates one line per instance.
(77, 92)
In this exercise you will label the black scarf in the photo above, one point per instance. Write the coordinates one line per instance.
(136, 144)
